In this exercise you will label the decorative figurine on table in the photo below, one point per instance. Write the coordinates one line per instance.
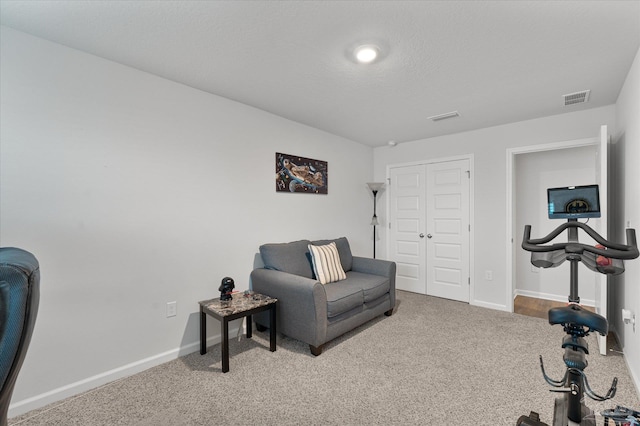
(226, 287)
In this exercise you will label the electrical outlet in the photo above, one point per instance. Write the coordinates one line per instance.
(628, 317)
(172, 309)
(488, 275)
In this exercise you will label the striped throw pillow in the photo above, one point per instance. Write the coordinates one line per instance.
(326, 263)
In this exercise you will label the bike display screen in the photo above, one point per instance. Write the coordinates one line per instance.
(574, 202)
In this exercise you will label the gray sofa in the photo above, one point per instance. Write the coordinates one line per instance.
(315, 313)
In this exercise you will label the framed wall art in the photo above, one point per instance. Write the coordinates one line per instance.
(300, 174)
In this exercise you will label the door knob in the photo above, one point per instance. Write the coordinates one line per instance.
(429, 236)
(421, 235)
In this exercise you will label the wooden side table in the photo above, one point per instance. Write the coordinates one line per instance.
(242, 305)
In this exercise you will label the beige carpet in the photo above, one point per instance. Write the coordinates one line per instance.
(433, 362)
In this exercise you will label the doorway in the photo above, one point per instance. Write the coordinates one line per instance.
(598, 164)
(534, 172)
(430, 215)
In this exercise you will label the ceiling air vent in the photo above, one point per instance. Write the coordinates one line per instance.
(444, 116)
(576, 98)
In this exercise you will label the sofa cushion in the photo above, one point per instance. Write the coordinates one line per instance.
(373, 286)
(346, 258)
(342, 297)
(326, 263)
(288, 257)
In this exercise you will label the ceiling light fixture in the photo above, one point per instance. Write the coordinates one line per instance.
(367, 53)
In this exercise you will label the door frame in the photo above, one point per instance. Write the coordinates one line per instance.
(512, 235)
(469, 157)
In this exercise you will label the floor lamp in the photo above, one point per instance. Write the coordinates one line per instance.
(375, 187)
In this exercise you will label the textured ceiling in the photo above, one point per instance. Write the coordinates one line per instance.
(494, 62)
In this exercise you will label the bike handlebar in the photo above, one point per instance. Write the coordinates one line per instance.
(613, 250)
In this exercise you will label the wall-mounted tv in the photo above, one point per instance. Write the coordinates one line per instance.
(574, 202)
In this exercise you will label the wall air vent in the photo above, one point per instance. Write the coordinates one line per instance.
(576, 98)
(444, 116)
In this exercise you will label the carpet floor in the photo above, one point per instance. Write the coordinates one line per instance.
(434, 362)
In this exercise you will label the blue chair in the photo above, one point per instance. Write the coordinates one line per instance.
(19, 298)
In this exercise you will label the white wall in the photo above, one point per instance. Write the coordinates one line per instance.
(133, 191)
(534, 173)
(625, 188)
(489, 147)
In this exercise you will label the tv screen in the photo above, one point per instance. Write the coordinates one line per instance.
(574, 202)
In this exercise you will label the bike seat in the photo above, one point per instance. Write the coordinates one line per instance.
(574, 314)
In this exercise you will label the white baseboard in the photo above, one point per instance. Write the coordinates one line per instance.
(634, 377)
(20, 407)
(547, 296)
(489, 305)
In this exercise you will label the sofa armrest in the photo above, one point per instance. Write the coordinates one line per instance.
(385, 268)
(302, 303)
(374, 266)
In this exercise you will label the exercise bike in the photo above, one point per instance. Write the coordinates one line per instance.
(606, 258)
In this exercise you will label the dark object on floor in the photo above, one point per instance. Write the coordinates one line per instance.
(622, 416)
(19, 298)
(533, 419)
